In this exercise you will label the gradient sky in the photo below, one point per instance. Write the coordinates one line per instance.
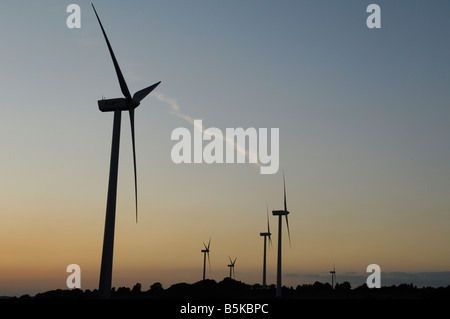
(364, 139)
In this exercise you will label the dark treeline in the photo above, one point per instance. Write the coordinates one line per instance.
(229, 288)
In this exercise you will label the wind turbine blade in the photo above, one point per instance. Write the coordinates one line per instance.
(268, 226)
(231, 262)
(284, 184)
(209, 262)
(123, 84)
(209, 243)
(289, 235)
(234, 262)
(134, 158)
(140, 95)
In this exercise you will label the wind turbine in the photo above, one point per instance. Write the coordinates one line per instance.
(231, 265)
(281, 213)
(333, 276)
(116, 105)
(206, 251)
(267, 234)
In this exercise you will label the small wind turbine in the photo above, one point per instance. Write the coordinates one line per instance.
(267, 234)
(205, 252)
(231, 265)
(116, 105)
(333, 277)
(281, 213)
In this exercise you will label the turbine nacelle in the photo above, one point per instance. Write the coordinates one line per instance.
(280, 212)
(125, 104)
(119, 104)
(265, 234)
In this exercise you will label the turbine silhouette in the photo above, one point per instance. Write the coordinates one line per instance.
(231, 265)
(333, 277)
(116, 105)
(267, 234)
(281, 213)
(206, 252)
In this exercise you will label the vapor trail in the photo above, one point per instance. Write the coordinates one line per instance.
(175, 110)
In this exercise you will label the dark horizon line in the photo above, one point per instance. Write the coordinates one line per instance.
(209, 288)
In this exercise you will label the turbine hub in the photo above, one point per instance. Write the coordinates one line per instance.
(135, 103)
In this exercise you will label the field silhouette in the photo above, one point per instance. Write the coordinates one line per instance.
(232, 289)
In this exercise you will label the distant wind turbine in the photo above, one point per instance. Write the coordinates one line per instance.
(116, 105)
(333, 277)
(267, 234)
(231, 265)
(281, 213)
(206, 252)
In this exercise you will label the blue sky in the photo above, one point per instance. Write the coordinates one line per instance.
(363, 117)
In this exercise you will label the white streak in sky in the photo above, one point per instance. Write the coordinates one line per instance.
(175, 110)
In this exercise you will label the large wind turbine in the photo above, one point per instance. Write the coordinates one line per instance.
(206, 251)
(231, 265)
(281, 213)
(333, 277)
(116, 105)
(267, 234)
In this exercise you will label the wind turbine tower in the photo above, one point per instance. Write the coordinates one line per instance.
(265, 235)
(333, 277)
(280, 214)
(231, 265)
(116, 105)
(206, 252)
